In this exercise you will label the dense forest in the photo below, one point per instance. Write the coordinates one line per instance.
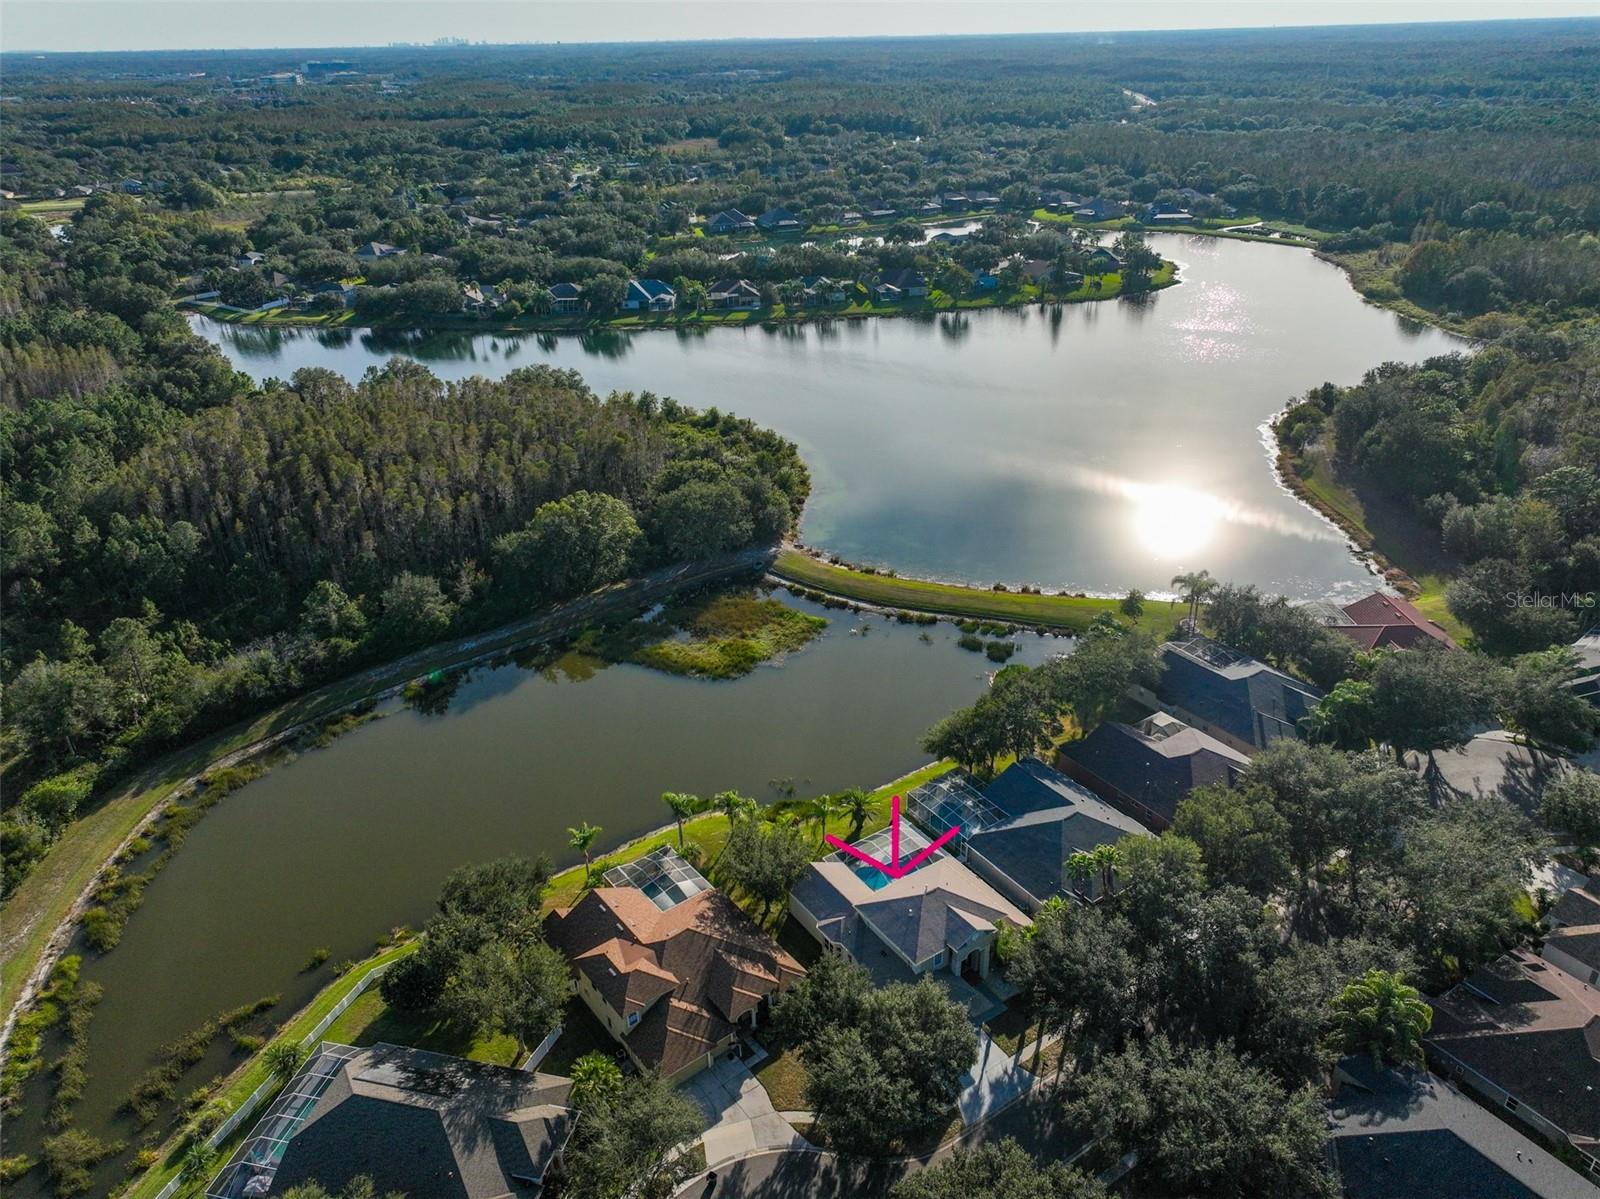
(181, 547)
(1496, 457)
(523, 166)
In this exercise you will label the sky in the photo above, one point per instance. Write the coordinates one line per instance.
(43, 25)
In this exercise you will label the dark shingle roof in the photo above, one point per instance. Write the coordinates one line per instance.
(1157, 773)
(1405, 1134)
(1234, 692)
(422, 1123)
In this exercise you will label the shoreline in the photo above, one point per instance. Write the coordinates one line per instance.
(283, 318)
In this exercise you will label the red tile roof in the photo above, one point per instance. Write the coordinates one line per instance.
(1387, 621)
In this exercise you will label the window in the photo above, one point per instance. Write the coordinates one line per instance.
(938, 959)
(633, 1018)
(1511, 1104)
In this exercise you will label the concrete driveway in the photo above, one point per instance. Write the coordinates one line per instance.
(742, 1120)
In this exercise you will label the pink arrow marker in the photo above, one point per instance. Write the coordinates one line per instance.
(896, 868)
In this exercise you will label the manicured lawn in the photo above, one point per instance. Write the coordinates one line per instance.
(784, 1077)
(1068, 612)
(369, 1020)
(1009, 1027)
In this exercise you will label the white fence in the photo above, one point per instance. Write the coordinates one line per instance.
(266, 1089)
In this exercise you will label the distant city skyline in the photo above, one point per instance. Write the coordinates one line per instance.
(110, 25)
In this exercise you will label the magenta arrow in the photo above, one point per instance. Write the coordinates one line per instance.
(895, 869)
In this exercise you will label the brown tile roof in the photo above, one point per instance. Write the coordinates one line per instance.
(690, 971)
(1388, 620)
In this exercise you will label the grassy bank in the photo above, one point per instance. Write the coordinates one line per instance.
(1407, 553)
(1070, 613)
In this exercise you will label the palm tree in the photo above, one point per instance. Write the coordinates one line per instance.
(596, 1079)
(1081, 868)
(733, 805)
(820, 809)
(857, 804)
(198, 1161)
(284, 1059)
(1107, 858)
(683, 806)
(582, 839)
(1194, 587)
(1380, 1014)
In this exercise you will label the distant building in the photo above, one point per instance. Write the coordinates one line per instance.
(727, 294)
(377, 249)
(322, 68)
(1587, 684)
(1241, 702)
(1405, 1132)
(1100, 210)
(282, 79)
(728, 221)
(1526, 1036)
(907, 281)
(780, 220)
(566, 298)
(1149, 768)
(410, 1122)
(1380, 621)
(250, 258)
(649, 295)
(1103, 261)
(819, 289)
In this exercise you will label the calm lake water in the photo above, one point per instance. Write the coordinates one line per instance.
(346, 842)
(1096, 447)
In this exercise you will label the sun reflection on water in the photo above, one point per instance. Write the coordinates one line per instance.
(1173, 522)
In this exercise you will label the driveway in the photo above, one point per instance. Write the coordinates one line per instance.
(994, 1082)
(740, 1114)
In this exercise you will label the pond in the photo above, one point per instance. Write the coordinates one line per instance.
(344, 843)
(1098, 446)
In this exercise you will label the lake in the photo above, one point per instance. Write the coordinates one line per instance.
(1095, 447)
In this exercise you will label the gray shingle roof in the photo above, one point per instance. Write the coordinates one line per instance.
(1409, 1135)
(1234, 692)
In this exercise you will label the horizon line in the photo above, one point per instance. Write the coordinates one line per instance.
(439, 44)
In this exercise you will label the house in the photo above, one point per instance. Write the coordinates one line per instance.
(850, 218)
(649, 295)
(566, 298)
(982, 200)
(475, 297)
(1018, 832)
(820, 289)
(886, 293)
(1575, 948)
(780, 220)
(1147, 769)
(985, 281)
(1100, 210)
(133, 187)
(410, 1122)
(1405, 1132)
(1103, 262)
(733, 294)
(1241, 702)
(909, 282)
(1055, 200)
(250, 258)
(881, 214)
(1578, 905)
(1526, 1037)
(730, 220)
(1043, 274)
(342, 292)
(1171, 214)
(377, 249)
(1380, 621)
(930, 208)
(939, 919)
(671, 966)
(954, 202)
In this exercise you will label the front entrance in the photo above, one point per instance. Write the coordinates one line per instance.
(973, 965)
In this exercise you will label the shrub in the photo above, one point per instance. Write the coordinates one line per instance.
(318, 956)
(999, 651)
(970, 641)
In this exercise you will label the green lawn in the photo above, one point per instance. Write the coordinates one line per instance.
(1067, 612)
(369, 1020)
(784, 1077)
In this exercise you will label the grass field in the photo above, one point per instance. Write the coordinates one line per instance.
(1067, 612)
